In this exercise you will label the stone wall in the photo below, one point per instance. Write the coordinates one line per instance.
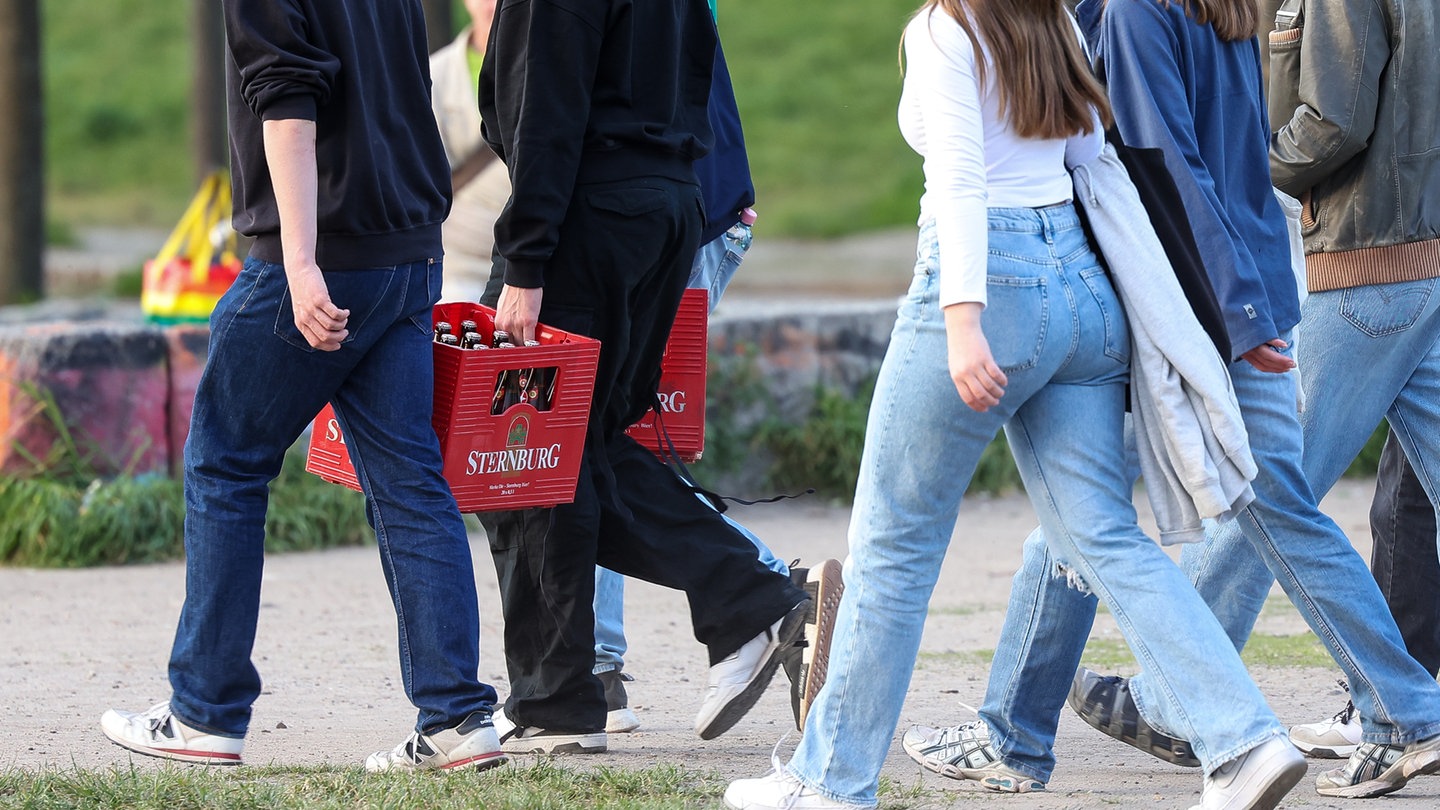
(122, 391)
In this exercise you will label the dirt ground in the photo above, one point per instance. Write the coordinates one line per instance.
(77, 642)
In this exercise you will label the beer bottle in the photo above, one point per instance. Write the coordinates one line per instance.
(450, 340)
(441, 328)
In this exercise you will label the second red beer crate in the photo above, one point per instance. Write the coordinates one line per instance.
(682, 383)
(511, 421)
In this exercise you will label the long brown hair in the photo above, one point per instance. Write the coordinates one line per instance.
(1044, 81)
(1233, 20)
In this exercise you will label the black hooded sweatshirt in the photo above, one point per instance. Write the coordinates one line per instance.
(582, 91)
(361, 71)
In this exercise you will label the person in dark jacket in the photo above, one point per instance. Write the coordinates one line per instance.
(599, 111)
(341, 178)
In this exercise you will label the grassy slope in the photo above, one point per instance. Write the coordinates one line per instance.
(116, 103)
(817, 86)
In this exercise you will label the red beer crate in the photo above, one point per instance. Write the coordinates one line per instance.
(682, 383)
(523, 455)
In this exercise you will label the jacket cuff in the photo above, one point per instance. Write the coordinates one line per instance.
(528, 274)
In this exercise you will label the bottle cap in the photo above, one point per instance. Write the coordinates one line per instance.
(748, 216)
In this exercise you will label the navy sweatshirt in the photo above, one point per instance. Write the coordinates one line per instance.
(1174, 85)
(360, 70)
(584, 91)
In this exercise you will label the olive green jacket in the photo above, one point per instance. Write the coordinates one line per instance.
(1355, 95)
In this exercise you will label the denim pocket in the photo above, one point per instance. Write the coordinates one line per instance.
(1385, 309)
(1016, 317)
(360, 291)
(1117, 334)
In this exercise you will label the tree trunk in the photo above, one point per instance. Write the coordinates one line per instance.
(207, 89)
(22, 175)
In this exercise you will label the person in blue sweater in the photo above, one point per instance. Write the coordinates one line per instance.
(1185, 78)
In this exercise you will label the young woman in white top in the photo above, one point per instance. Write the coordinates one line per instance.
(1010, 322)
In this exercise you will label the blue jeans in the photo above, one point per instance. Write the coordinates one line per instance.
(713, 268)
(1368, 353)
(1365, 354)
(1055, 326)
(261, 386)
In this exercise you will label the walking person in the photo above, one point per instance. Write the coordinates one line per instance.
(1405, 564)
(1186, 79)
(1010, 321)
(333, 305)
(598, 238)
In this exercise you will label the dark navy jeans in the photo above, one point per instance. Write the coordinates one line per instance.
(261, 386)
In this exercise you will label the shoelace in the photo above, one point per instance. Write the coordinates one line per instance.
(1344, 715)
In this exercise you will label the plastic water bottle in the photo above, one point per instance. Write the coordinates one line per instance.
(738, 238)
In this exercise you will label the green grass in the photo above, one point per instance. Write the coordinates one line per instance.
(116, 93)
(817, 95)
(69, 522)
(527, 785)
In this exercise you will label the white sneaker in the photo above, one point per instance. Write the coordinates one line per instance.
(964, 752)
(737, 682)
(1336, 738)
(1374, 770)
(779, 791)
(1256, 780)
(472, 744)
(531, 740)
(157, 733)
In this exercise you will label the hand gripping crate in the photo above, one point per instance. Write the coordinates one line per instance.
(682, 384)
(500, 452)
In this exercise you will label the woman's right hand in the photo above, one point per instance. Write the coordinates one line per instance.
(979, 380)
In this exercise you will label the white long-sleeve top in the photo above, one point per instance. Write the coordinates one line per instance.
(973, 159)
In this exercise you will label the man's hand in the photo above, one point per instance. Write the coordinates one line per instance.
(518, 312)
(979, 380)
(318, 319)
(1266, 357)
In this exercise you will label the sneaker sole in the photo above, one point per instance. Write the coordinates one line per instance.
(557, 744)
(1393, 778)
(790, 630)
(483, 762)
(999, 783)
(621, 721)
(1180, 754)
(179, 754)
(819, 630)
(1315, 751)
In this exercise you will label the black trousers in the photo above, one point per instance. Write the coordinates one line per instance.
(1405, 560)
(624, 255)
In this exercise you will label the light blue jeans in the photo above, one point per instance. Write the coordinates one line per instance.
(713, 268)
(1055, 326)
(1366, 353)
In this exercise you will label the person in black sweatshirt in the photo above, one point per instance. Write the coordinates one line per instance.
(341, 179)
(599, 110)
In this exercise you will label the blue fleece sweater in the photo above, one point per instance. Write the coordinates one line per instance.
(1175, 86)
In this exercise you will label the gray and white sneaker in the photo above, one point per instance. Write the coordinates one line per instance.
(1336, 738)
(737, 681)
(472, 744)
(619, 717)
(531, 740)
(156, 732)
(1374, 769)
(964, 752)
